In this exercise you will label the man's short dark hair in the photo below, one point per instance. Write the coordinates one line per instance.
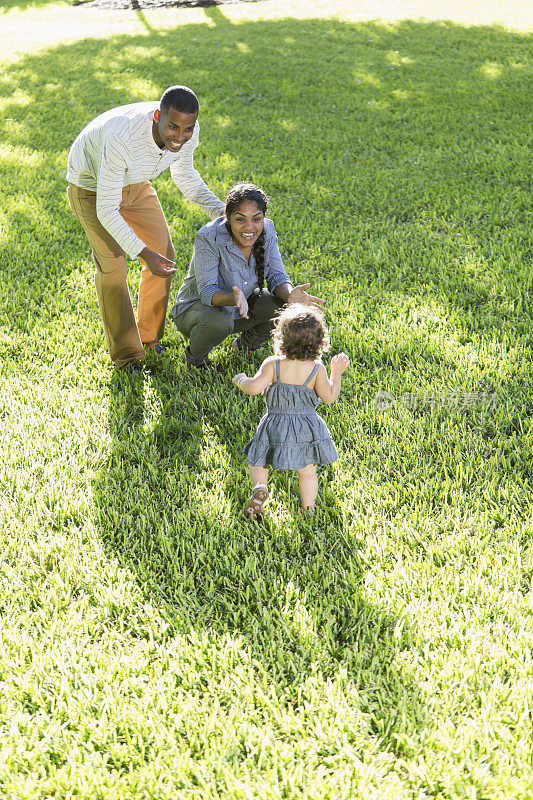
(180, 98)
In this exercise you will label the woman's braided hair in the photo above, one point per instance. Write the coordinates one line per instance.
(236, 195)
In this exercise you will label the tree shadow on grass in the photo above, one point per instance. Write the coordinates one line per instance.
(414, 175)
(412, 178)
(169, 507)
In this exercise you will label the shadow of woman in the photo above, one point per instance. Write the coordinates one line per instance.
(290, 590)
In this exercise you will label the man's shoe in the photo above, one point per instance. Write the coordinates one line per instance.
(133, 367)
(159, 349)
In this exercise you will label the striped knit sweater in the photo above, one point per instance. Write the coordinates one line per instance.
(117, 149)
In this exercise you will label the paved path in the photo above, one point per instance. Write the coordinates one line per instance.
(34, 28)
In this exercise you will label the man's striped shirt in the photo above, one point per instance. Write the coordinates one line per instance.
(117, 149)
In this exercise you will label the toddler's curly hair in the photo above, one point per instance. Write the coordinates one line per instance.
(300, 333)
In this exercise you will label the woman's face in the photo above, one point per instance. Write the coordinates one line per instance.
(246, 224)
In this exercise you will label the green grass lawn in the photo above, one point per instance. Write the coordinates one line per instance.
(22, 5)
(154, 644)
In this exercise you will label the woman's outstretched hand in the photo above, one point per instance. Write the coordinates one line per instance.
(299, 295)
(241, 302)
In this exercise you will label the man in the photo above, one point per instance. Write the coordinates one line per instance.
(110, 166)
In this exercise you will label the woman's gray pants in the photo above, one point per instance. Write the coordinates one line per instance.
(207, 326)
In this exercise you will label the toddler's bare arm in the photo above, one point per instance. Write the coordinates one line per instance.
(261, 379)
(329, 389)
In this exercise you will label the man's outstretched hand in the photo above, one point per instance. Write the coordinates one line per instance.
(157, 264)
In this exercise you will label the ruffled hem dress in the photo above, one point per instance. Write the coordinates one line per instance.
(291, 434)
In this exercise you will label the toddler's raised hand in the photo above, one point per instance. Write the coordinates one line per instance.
(237, 379)
(339, 363)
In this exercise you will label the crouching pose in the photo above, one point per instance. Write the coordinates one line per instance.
(223, 292)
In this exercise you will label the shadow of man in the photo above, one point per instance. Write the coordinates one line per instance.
(168, 508)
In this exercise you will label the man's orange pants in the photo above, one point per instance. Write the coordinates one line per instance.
(141, 209)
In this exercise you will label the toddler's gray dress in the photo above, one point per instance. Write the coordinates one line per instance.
(291, 435)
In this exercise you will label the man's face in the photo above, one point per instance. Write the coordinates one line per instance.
(173, 128)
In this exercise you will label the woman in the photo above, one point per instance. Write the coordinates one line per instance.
(223, 292)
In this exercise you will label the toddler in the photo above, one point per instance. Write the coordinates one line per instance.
(292, 435)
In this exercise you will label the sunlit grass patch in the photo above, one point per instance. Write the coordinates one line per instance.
(155, 644)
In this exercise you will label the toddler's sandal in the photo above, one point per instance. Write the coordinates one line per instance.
(255, 504)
